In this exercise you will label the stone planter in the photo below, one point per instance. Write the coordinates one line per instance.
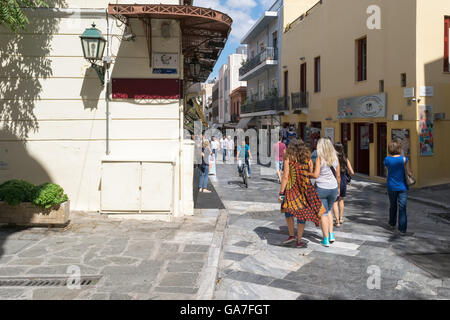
(29, 215)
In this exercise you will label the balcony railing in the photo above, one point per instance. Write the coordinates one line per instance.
(278, 104)
(268, 54)
(299, 101)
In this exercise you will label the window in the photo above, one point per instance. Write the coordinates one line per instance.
(403, 80)
(381, 85)
(286, 83)
(275, 40)
(303, 77)
(361, 46)
(447, 44)
(317, 77)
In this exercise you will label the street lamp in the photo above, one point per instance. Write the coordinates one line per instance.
(93, 45)
(194, 67)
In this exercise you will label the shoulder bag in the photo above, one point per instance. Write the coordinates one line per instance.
(410, 180)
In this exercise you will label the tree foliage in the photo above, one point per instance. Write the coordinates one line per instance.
(12, 12)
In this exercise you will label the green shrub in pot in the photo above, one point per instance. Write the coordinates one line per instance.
(13, 192)
(48, 194)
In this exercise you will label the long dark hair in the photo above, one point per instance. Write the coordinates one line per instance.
(341, 156)
(298, 152)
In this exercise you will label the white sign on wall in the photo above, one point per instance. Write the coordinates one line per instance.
(329, 133)
(426, 91)
(165, 63)
(408, 93)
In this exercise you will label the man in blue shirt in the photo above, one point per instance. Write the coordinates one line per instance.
(244, 154)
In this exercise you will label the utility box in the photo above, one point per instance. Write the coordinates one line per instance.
(137, 186)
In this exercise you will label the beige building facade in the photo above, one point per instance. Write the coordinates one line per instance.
(55, 124)
(365, 72)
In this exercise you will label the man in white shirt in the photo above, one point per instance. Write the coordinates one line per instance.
(215, 146)
(230, 148)
(223, 146)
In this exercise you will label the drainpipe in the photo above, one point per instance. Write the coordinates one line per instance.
(108, 49)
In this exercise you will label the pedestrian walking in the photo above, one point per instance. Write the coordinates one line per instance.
(223, 146)
(327, 174)
(397, 166)
(279, 150)
(346, 176)
(215, 146)
(204, 168)
(230, 147)
(297, 194)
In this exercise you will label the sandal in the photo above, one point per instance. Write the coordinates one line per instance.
(341, 221)
(206, 191)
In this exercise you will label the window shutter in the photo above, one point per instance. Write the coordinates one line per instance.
(359, 60)
(447, 44)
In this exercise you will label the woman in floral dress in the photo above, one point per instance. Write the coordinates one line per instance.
(298, 196)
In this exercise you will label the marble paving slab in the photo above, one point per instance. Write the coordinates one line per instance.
(239, 290)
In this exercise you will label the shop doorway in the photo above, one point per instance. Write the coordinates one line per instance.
(362, 148)
(381, 148)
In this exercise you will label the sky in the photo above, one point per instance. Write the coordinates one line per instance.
(244, 14)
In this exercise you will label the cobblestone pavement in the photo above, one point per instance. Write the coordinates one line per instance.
(135, 259)
(254, 264)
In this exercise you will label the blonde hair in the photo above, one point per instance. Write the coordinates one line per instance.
(205, 143)
(326, 151)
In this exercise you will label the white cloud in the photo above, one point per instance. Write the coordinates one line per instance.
(266, 4)
(242, 3)
(238, 10)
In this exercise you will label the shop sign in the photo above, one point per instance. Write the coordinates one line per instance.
(403, 136)
(329, 133)
(408, 93)
(426, 91)
(426, 132)
(363, 107)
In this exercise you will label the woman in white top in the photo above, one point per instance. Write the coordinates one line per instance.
(328, 178)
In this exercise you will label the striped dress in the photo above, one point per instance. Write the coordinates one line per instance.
(301, 198)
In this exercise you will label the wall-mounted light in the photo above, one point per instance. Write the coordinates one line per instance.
(93, 44)
(194, 67)
(411, 100)
(397, 117)
(302, 58)
(128, 34)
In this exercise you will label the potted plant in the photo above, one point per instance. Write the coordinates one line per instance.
(24, 204)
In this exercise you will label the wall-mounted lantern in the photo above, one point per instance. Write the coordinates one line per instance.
(93, 45)
(194, 67)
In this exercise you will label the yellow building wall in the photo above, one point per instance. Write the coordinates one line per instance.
(430, 49)
(406, 43)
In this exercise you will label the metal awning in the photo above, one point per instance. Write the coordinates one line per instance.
(204, 31)
(243, 123)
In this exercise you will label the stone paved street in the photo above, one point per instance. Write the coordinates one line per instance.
(233, 253)
(254, 264)
(135, 259)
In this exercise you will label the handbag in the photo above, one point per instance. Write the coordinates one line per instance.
(410, 180)
(348, 177)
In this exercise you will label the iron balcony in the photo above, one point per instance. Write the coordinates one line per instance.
(268, 56)
(299, 102)
(276, 104)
